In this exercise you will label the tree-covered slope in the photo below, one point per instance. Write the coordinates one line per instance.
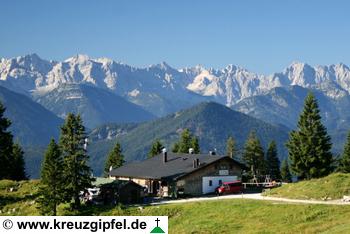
(211, 122)
(32, 124)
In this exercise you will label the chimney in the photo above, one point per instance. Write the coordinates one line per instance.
(194, 163)
(197, 162)
(190, 150)
(165, 155)
(212, 153)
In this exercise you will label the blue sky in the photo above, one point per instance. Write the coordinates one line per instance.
(263, 35)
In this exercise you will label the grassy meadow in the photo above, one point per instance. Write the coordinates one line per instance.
(223, 216)
(330, 187)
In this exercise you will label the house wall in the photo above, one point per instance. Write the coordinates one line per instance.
(192, 183)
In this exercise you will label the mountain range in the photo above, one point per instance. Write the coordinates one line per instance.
(116, 99)
(82, 84)
(164, 87)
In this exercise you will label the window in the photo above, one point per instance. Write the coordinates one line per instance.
(220, 182)
(210, 183)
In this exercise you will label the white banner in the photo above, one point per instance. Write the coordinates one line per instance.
(83, 224)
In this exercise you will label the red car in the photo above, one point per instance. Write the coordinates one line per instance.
(230, 188)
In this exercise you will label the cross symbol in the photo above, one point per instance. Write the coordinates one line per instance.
(157, 220)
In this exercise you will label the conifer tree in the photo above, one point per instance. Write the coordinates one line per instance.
(185, 141)
(175, 148)
(344, 164)
(51, 183)
(195, 145)
(253, 155)
(309, 147)
(76, 171)
(155, 149)
(115, 158)
(6, 144)
(231, 149)
(272, 161)
(285, 172)
(17, 164)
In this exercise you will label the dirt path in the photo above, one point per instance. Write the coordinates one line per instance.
(254, 196)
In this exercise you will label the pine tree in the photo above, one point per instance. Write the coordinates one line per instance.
(175, 148)
(231, 149)
(344, 164)
(195, 145)
(76, 171)
(186, 141)
(6, 144)
(272, 161)
(17, 164)
(285, 172)
(51, 183)
(115, 158)
(309, 147)
(253, 155)
(155, 149)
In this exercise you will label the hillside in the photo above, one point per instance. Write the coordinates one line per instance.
(222, 216)
(32, 124)
(96, 106)
(334, 186)
(211, 122)
(284, 105)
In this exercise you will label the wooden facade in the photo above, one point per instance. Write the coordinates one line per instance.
(192, 183)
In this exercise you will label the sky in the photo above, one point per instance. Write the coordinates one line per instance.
(264, 36)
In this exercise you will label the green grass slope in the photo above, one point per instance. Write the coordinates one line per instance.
(21, 199)
(221, 216)
(334, 186)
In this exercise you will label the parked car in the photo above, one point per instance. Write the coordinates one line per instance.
(229, 188)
